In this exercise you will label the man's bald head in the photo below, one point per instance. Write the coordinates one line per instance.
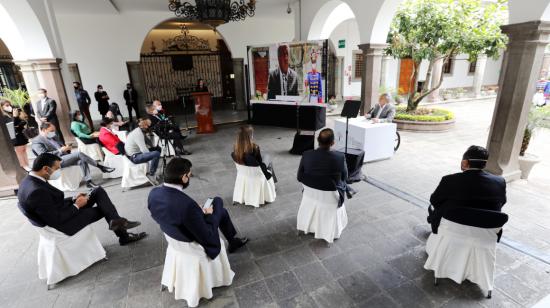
(326, 138)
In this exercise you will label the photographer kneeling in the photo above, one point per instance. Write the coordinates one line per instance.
(165, 128)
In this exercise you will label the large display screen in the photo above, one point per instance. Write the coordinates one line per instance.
(282, 70)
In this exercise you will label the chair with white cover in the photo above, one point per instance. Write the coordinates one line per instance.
(319, 214)
(69, 180)
(191, 274)
(61, 256)
(464, 247)
(113, 161)
(93, 150)
(252, 188)
(133, 174)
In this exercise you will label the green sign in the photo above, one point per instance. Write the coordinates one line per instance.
(342, 44)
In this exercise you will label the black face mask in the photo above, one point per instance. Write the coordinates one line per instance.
(185, 185)
(129, 88)
(76, 87)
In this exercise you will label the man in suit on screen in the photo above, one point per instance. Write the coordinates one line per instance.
(282, 80)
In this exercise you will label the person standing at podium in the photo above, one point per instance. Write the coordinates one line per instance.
(282, 80)
(201, 86)
(383, 112)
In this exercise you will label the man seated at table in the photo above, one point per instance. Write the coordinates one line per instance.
(47, 142)
(324, 169)
(109, 139)
(181, 218)
(140, 149)
(163, 126)
(472, 187)
(383, 112)
(45, 205)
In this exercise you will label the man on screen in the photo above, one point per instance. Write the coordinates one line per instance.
(282, 80)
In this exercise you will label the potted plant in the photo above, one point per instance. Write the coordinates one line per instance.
(539, 117)
(18, 97)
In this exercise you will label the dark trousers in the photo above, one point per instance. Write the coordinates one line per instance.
(85, 110)
(99, 206)
(88, 141)
(130, 107)
(225, 224)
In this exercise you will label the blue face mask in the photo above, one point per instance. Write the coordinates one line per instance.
(54, 175)
(50, 134)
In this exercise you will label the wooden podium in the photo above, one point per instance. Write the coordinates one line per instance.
(203, 112)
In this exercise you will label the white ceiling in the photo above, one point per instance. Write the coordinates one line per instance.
(263, 7)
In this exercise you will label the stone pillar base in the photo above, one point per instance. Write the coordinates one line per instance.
(372, 72)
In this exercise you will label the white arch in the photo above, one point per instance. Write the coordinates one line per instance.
(536, 10)
(340, 14)
(321, 19)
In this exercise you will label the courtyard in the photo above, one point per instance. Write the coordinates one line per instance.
(378, 261)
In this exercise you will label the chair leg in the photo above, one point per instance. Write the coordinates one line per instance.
(51, 286)
(489, 294)
(163, 288)
(435, 281)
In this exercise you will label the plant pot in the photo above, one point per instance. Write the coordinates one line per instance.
(526, 163)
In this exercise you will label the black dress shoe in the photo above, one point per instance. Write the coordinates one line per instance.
(350, 192)
(132, 237)
(105, 169)
(91, 184)
(237, 243)
(122, 224)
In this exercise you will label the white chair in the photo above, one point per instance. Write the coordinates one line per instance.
(133, 174)
(69, 180)
(113, 161)
(61, 256)
(461, 252)
(252, 188)
(92, 150)
(191, 274)
(319, 214)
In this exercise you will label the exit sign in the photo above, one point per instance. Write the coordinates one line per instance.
(342, 44)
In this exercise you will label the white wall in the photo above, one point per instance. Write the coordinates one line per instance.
(348, 31)
(101, 44)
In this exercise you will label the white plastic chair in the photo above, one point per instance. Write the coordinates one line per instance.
(133, 174)
(69, 180)
(191, 274)
(319, 214)
(252, 188)
(113, 161)
(61, 256)
(461, 252)
(92, 150)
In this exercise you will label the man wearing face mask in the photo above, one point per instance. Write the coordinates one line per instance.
(102, 99)
(472, 187)
(131, 98)
(140, 149)
(165, 128)
(46, 111)
(47, 142)
(45, 205)
(181, 218)
(84, 101)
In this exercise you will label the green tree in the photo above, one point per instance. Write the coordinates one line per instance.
(435, 30)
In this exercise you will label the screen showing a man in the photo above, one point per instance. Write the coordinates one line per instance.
(282, 80)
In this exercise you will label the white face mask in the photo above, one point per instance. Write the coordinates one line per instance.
(54, 175)
(79, 118)
(159, 108)
(42, 95)
(8, 109)
(50, 134)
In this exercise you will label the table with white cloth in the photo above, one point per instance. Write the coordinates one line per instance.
(376, 139)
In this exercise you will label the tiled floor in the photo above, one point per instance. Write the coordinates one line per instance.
(378, 262)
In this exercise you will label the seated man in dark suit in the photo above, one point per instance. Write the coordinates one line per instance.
(45, 205)
(181, 218)
(324, 169)
(472, 187)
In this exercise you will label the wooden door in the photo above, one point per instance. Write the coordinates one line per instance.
(405, 72)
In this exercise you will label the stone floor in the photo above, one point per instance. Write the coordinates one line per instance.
(378, 262)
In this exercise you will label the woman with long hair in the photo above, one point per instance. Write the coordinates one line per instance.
(247, 153)
(81, 130)
(20, 141)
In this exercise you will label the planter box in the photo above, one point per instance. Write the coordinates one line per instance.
(424, 126)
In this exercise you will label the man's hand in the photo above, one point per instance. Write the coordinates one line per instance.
(208, 211)
(375, 120)
(81, 200)
(44, 119)
(65, 148)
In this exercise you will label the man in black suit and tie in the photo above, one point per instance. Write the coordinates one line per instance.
(383, 112)
(45, 205)
(46, 109)
(282, 80)
(181, 218)
(131, 98)
(324, 169)
(472, 187)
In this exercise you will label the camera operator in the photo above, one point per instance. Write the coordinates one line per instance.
(165, 128)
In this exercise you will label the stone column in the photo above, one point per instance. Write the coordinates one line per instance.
(11, 173)
(372, 70)
(239, 80)
(437, 70)
(481, 64)
(340, 78)
(46, 73)
(520, 70)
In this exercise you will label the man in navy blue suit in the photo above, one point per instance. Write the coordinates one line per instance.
(472, 187)
(181, 218)
(324, 169)
(45, 205)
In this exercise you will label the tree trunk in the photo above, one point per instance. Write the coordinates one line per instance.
(428, 76)
(424, 94)
(412, 87)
